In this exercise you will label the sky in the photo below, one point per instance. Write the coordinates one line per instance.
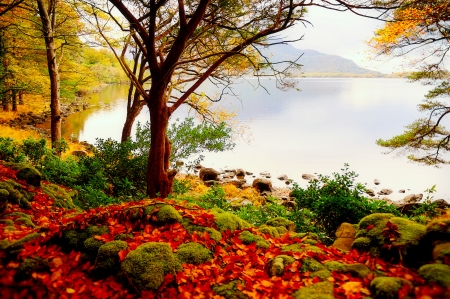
(343, 34)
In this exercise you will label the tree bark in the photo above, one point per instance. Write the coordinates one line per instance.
(14, 100)
(129, 121)
(48, 25)
(21, 97)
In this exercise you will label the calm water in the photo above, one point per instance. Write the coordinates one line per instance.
(316, 130)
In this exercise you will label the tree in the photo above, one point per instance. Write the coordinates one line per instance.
(423, 28)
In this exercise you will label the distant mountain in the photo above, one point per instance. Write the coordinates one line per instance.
(318, 64)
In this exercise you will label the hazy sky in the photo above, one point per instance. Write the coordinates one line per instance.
(343, 34)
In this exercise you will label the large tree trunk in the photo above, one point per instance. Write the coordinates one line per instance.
(14, 100)
(47, 29)
(5, 102)
(132, 112)
(159, 177)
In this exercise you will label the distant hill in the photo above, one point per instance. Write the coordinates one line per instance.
(317, 64)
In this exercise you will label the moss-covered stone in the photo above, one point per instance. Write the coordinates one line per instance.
(283, 222)
(320, 290)
(441, 250)
(276, 266)
(62, 198)
(310, 264)
(25, 221)
(363, 243)
(7, 221)
(321, 274)
(308, 238)
(439, 273)
(74, 239)
(300, 247)
(229, 290)
(248, 238)
(192, 228)
(387, 287)
(30, 175)
(165, 213)
(358, 270)
(227, 221)
(30, 265)
(147, 265)
(18, 244)
(91, 246)
(16, 194)
(123, 237)
(334, 266)
(107, 260)
(4, 194)
(193, 253)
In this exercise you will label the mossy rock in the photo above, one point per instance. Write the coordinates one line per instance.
(147, 265)
(440, 251)
(74, 238)
(227, 221)
(358, 270)
(323, 274)
(439, 273)
(273, 231)
(61, 197)
(320, 290)
(192, 228)
(16, 194)
(91, 246)
(107, 260)
(308, 238)
(310, 264)
(4, 195)
(123, 237)
(15, 246)
(229, 290)
(7, 221)
(25, 221)
(30, 265)
(300, 247)
(165, 214)
(283, 222)
(334, 266)
(276, 265)
(248, 238)
(387, 287)
(30, 175)
(193, 253)
(370, 236)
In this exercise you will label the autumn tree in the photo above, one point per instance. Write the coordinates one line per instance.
(421, 29)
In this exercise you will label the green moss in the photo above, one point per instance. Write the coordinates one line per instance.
(283, 222)
(7, 221)
(25, 221)
(191, 228)
(61, 197)
(168, 214)
(74, 239)
(10, 228)
(363, 243)
(271, 230)
(149, 263)
(123, 237)
(92, 245)
(107, 260)
(30, 265)
(29, 174)
(311, 238)
(439, 273)
(193, 253)
(248, 238)
(359, 270)
(16, 194)
(16, 245)
(310, 264)
(334, 266)
(438, 230)
(320, 290)
(229, 290)
(300, 247)
(387, 287)
(321, 274)
(227, 221)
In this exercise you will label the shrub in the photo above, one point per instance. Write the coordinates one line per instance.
(9, 151)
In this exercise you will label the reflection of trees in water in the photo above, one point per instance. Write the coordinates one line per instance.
(104, 100)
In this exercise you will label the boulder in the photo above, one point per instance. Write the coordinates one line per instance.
(370, 192)
(385, 192)
(308, 177)
(345, 235)
(248, 173)
(262, 185)
(240, 172)
(401, 191)
(376, 181)
(209, 174)
(31, 175)
(282, 177)
(413, 198)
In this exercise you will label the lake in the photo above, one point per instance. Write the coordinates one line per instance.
(329, 122)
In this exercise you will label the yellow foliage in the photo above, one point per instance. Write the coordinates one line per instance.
(16, 134)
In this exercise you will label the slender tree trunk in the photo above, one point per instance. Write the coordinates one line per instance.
(21, 97)
(5, 102)
(159, 177)
(14, 100)
(47, 29)
(129, 121)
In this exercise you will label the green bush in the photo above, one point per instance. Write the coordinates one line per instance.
(9, 151)
(338, 199)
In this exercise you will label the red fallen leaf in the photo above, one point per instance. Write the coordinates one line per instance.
(122, 254)
(316, 279)
(369, 227)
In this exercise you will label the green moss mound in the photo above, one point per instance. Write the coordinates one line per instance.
(439, 273)
(227, 221)
(91, 246)
(300, 247)
(321, 274)
(229, 290)
(15, 193)
(163, 213)
(193, 253)
(248, 238)
(334, 266)
(149, 263)
(30, 265)
(30, 175)
(281, 222)
(107, 260)
(62, 198)
(276, 266)
(387, 287)
(192, 228)
(320, 290)
(15, 246)
(273, 231)
(75, 238)
(308, 238)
